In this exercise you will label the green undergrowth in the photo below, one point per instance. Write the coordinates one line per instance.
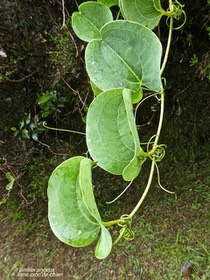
(170, 231)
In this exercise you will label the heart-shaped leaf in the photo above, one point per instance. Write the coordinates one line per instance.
(111, 134)
(127, 59)
(72, 210)
(69, 218)
(90, 19)
(145, 12)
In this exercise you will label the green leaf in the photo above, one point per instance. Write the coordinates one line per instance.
(104, 245)
(43, 99)
(109, 3)
(85, 182)
(127, 56)
(132, 170)
(145, 12)
(90, 19)
(34, 136)
(11, 181)
(96, 90)
(137, 95)
(110, 134)
(21, 125)
(72, 210)
(25, 133)
(130, 118)
(69, 218)
(27, 118)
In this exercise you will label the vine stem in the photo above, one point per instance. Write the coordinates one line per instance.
(116, 198)
(155, 144)
(64, 16)
(64, 130)
(169, 39)
(145, 191)
(119, 237)
(149, 182)
(111, 223)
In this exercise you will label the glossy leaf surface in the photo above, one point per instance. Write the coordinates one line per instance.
(127, 56)
(92, 16)
(111, 134)
(145, 12)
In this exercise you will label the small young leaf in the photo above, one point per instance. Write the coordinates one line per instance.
(21, 125)
(11, 181)
(127, 59)
(25, 133)
(34, 136)
(90, 19)
(43, 99)
(27, 118)
(145, 12)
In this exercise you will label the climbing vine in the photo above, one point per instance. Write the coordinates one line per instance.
(123, 60)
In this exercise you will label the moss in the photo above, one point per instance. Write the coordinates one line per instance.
(31, 37)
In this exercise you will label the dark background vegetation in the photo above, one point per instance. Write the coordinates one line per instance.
(41, 58)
